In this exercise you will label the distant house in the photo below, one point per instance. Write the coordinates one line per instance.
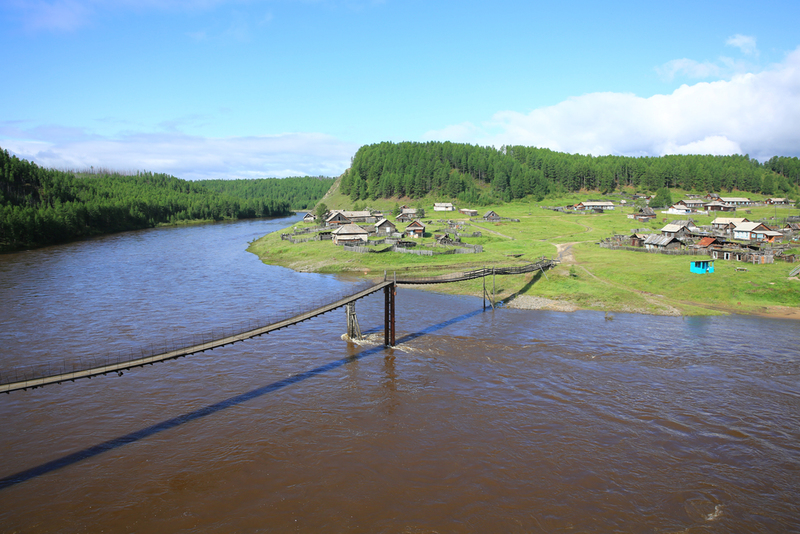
(778, 201)
(694, 204)
(751, 231)
(350, 234)
(468, 212)
(645, 214)
(359, 216)
(708, 242)
(415, 229)
(661, 242)
(413, 213)
(680, 209)
(674, 230)
(727, 224)
(309, 217)
(594, 205)
(404, 218)
(385, 227)
(680, 228)
(491, 216)
(792, 227)
(735, 201)
(337, 218)
(443, 206)
(719, 206)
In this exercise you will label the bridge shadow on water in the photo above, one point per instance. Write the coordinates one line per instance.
(143, 433)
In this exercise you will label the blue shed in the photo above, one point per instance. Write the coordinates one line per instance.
(702, 266)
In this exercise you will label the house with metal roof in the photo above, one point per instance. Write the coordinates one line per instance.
(727, 224)
(752, 231)
(661, 242)
(350, 234)
(415, 229)
(385, 227)
(594, 205)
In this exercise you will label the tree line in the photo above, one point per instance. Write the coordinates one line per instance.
(484, 175)
(300, 193)
(40, 206)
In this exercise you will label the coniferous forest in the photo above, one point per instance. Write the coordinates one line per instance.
(41, 206)
(486, 175)
(300, 192)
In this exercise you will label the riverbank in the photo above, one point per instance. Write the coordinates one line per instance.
(587, 278)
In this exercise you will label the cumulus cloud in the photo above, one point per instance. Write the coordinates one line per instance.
(184, 156)
(753, 113)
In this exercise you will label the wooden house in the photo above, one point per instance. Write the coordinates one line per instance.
(309, 217)
(403, 218)
(751, 231)
(443, 206)
(594, 205)
(414, 229)
(727, 224)
(385, 227)
(694, 204)
(359, 216)
(719, 206)
(661, 242)
(468, 212)
(645, 214)
(351, 234)
(491, 216)
(337, 218)
(776, 201)
(735, 201)
(680, 209)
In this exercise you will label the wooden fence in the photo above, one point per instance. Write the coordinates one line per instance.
(671, 252)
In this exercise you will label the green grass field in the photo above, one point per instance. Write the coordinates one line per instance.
(589, 277)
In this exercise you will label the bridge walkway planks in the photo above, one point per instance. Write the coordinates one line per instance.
(186, 351)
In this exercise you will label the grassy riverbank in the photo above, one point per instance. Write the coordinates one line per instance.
(588, 276)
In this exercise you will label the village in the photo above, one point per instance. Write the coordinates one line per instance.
(725, 238)
(355, 231)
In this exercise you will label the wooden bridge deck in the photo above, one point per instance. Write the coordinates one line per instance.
(117, 367)
(193, 349)
(478, 273)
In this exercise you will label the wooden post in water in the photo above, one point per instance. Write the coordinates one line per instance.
(494, 296)
(389, 293)
(353, 329)
(484, 288)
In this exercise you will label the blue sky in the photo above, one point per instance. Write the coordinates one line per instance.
(257, 88)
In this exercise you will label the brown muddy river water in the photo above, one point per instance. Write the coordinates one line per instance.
(504, 421)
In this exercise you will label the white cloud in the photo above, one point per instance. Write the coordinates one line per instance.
(184, 156)
(751, 113)
(745, 43)
(688, 67)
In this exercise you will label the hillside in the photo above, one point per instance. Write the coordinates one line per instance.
(41, 206)
(486, 175)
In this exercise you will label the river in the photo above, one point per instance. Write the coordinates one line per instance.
(495, 421)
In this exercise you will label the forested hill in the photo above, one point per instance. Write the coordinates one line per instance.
(41, 206)
(483, 175)
(300, 192)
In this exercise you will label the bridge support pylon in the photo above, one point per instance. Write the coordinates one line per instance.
(390, 292)
(353, 329)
